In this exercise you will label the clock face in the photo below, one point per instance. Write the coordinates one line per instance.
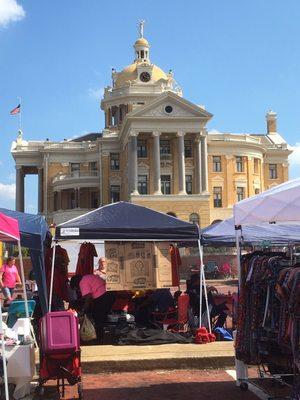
(145, 76)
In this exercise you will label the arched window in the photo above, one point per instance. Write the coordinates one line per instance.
(172, 214)
(194, 218)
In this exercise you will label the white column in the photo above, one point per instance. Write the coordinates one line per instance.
(197, 161)
(133, 164)
(181, 163)
(156, 162)
(19, 189)
(204, 164)
(40, 190)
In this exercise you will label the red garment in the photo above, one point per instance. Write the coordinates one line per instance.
(85, 263)
(60, 279)
(176, 263)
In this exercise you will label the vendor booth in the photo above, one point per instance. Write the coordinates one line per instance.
(137, 243)
(17, 356)
(34, 233)
(268, 328)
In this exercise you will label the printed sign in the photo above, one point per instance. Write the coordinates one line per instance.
(69, 231)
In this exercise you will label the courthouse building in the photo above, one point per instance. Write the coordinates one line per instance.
(155, 150)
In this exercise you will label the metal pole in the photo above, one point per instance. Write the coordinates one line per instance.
(206, 297)
(23, 279)
(238, 256)
(3, 355)
(200, 280)
(20, 115)
(52, 275)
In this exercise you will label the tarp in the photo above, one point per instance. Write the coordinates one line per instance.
(223, 234)
(127, 221)
(33, 233)
(279, 204)
(9, 229)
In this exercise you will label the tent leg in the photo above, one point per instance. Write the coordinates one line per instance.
(201, 283)
(52, 276)
(23, 279)
(238, 257)
(206, 300)
(3, 355)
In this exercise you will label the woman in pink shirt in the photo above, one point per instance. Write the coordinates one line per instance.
(9, 278)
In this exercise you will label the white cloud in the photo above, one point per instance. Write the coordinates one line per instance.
(7, 195)
(96, 93)
(215, 131)
(10, 11)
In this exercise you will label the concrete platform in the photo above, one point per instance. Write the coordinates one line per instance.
(96, 359)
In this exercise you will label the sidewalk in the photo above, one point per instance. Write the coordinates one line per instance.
(96, 359)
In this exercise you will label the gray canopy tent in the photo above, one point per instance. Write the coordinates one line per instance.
(125, 221)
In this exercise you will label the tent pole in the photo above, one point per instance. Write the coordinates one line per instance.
(52, 275)
(3, 354)
(200, 283)
(206, 296)
(23, 279)
(238, 256)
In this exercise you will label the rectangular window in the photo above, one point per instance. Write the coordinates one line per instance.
(114, 193)
(239, 164)
(188, 152)
(189, 184)
(166, 184)
(256, 165)
(72, 200)
(165, 147)
(94, 200)
(217, 191)
(217, 167)
(114, 161)
(93, 168)
(143, 184)
(240, 192)
(273, 171)
(142, 148)
(75, 169)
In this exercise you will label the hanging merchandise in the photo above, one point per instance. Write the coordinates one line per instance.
(176, 263)
(85, 263)
(60, 280)
(268, 318)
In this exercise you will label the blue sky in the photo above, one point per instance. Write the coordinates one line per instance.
(238, 58)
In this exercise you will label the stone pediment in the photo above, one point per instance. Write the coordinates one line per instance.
(176, 105)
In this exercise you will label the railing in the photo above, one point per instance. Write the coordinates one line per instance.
(165, 156)
(37, 146)
(75, 175)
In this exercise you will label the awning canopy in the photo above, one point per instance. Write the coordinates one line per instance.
(9, 229)
(33, 234)
(223, 234)
(127, 221)
(279, 204)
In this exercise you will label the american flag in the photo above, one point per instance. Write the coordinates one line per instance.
(16, 110)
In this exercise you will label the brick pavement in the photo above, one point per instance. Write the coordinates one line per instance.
(167, 385)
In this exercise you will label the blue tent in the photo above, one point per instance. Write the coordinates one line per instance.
(34, 232)
(223, 234)
(127, 221)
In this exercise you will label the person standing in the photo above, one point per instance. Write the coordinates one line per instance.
(9, 278)
(101, 271)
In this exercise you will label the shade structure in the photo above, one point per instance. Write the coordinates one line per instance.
(223, 234)
(279, 204)
(127, 221)
(33, 234)
(9, 229)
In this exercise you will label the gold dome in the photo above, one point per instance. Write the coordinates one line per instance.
(130, 74)
(142, 42)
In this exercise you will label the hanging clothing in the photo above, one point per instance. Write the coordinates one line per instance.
(175, 263)
(60, 279)
(85, 262)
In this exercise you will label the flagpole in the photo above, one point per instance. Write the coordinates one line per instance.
(20, 114)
